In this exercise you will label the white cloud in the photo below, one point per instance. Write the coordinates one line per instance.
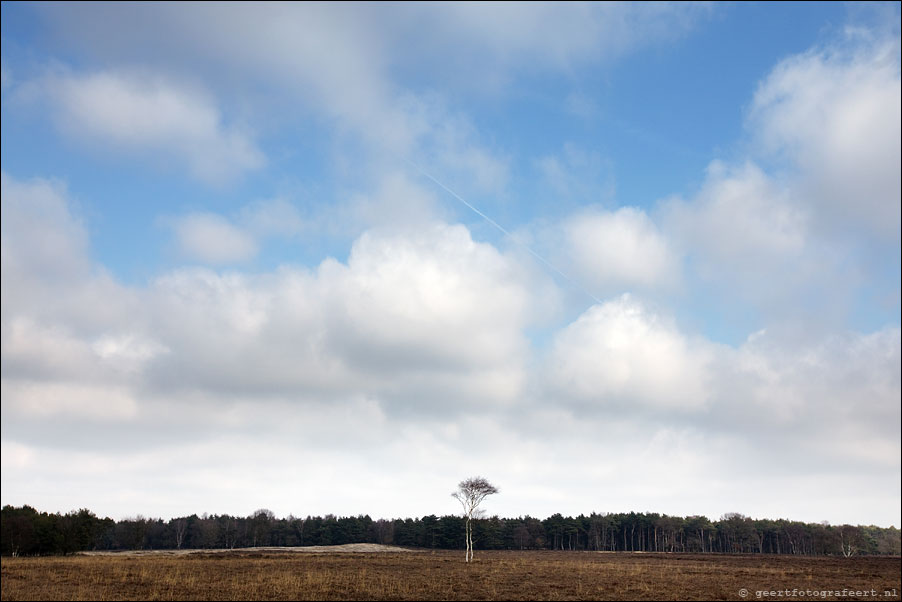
(397, 203)
(35, 351)
(15, 456)
(747, 240)
(47, 266)
(39, 229)
(409, 317)
(127, 352)
(103, 401)
(622, 355)
(740, 218)
(420, 340)
(337, 50)
(210, 238)
(620, 250)
(495, 39)
(345, 62)
(149, 115)
(56, 304)
(48, 370)
(213, 239)
(798, 243)
(436, 288)
(415, 318)
(844, 387)
(835, 113)
(416, 342)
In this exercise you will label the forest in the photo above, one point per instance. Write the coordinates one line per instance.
(25, 531)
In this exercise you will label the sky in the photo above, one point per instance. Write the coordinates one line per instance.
(335, 258)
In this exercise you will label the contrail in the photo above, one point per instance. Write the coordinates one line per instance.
(501, 229)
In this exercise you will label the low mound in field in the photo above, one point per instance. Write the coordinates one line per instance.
(348, 548)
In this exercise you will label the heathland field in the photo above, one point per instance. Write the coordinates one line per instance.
(323, 574)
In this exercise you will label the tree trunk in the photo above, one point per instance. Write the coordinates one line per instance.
(467, 553)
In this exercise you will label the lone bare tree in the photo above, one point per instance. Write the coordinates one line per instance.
(470, 493)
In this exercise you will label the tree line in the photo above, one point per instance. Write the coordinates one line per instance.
(25, 531)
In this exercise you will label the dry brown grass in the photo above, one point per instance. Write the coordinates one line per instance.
(268, 575)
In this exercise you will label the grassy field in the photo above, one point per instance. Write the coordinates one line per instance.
(268, 575)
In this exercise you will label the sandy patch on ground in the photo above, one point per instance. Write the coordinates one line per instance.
(348, 548)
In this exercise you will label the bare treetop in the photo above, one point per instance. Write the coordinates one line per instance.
(470, 492)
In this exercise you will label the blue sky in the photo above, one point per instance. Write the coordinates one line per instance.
(221, 229)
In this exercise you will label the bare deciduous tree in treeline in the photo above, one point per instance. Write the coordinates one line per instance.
(181, 527)
(847, 535)
(470, 493)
